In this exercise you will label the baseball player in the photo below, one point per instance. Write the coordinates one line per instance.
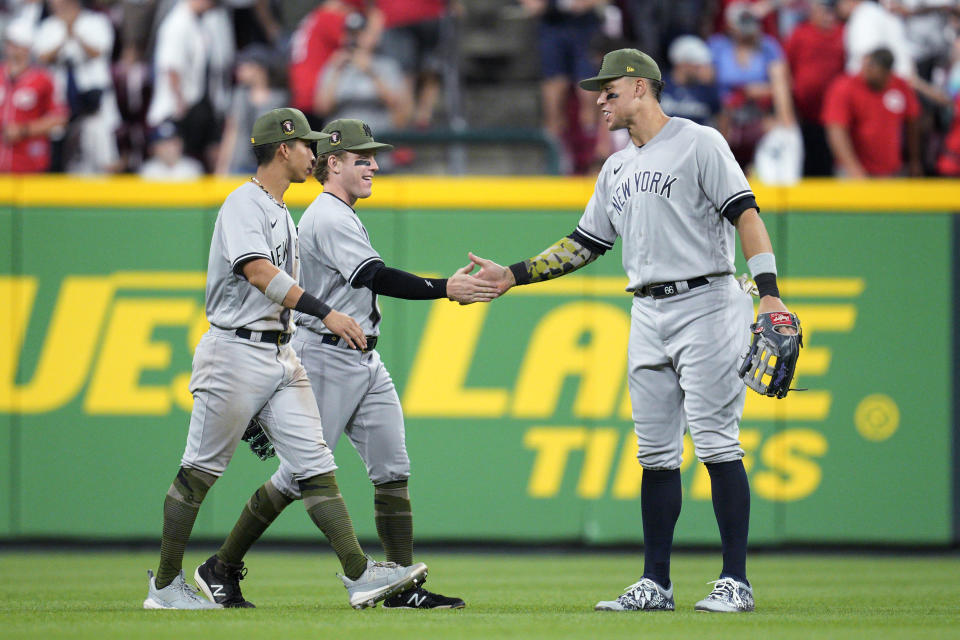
(244, 365)
(353, 389)
(675, 196)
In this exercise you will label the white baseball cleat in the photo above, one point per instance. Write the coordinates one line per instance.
(176, 595)
(645, 595)
(381, 580)
(728, 596)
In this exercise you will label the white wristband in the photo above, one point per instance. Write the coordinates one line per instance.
(762, 263)
(279, 287)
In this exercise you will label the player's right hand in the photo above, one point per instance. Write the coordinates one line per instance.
(494, 273)
(347, 328)
(467, 289)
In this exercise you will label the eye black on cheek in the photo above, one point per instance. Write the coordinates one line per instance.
(611, 96)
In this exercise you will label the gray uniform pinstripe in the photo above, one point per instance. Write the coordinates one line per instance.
(354, 390)
(235, 378)
(666, 200)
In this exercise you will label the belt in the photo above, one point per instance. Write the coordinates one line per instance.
(273, 337)
(337, 341)
(667, 289)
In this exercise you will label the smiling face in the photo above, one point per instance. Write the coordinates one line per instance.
(354, 173)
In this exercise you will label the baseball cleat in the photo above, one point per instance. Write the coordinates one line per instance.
(645, 595)
(220, 582)
(176, 595)
(380, 581)
(419, 598)
(728, 596)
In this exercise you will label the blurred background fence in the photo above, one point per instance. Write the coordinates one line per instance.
(517, 414)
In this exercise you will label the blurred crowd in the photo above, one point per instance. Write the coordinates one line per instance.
(170, 88)
(851, 88)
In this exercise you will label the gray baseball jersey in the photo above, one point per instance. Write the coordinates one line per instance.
(353, 390)
(339, 248)
(234, 378)
(250, 224)
(666, 200)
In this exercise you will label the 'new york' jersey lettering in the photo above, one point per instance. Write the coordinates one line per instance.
(250, 225)
(666, 201)
(642, 182)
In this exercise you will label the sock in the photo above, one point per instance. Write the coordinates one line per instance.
(324, 504)
(660, 499)
(261, 510)
(731, 505)
(391, 504)
(180, 509)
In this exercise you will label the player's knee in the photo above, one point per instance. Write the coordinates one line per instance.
(659, 459)
(286, 485)
(383, 473)
(718, 456)
(191, 486)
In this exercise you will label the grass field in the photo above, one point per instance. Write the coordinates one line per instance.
(99, 595)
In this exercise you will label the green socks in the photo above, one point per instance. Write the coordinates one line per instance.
(325, 506)
(391, 503)
(261, 510)
(180, 509)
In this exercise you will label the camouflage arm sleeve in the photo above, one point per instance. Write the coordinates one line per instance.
(562, 257)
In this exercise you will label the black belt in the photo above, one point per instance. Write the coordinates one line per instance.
(337, 341)
(667, 289)
(273, 337)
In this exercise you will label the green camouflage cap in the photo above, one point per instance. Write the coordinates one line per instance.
(349, 135)
(619, 63)
(281, 125)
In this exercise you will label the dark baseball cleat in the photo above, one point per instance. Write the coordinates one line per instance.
(728, 596)
(220, 582)
(420, 598)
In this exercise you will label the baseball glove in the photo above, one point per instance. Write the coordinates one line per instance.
(770, 361)
(256, 437)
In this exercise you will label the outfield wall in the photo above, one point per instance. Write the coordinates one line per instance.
(517, 414)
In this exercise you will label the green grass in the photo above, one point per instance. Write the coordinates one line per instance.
(99, 595)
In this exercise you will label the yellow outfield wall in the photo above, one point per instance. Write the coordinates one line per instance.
(419, 192)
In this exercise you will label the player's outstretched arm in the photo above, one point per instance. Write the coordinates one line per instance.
(280, 288)
(396, 283)
(562, 257)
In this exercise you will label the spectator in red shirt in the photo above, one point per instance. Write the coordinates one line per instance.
(29, 110)
(815, 55)
(319, 34)
(865, 115)
(949, 161)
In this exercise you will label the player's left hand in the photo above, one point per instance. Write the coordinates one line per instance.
(467, 289)
(770, 362)
(347, 328)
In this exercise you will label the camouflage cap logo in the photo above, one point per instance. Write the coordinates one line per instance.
(334, 137)
(630, 69)
(366, 130)
(287, 127)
